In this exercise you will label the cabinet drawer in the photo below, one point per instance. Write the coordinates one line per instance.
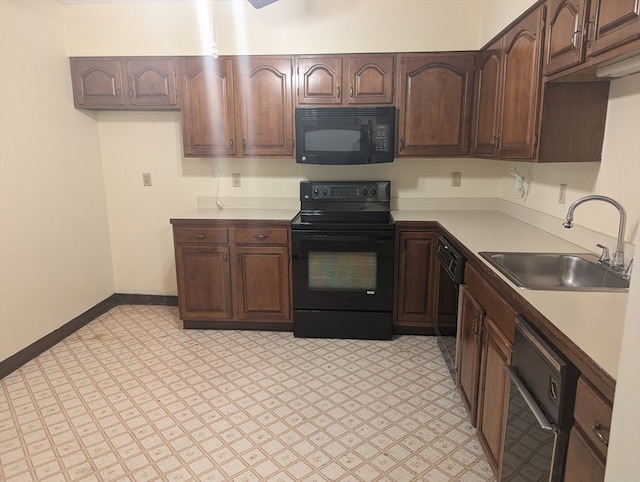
(200, 235)
(591, 409)
(262, 236)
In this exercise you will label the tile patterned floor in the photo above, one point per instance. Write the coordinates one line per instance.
(134, 397)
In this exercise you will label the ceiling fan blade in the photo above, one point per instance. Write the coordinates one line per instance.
(261, 3)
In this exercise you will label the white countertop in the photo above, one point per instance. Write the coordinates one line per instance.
(241, 214)
(594, 321)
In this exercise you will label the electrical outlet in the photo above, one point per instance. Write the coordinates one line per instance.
(562, 197)
(235, 179)
(146, 179)
(456, 179)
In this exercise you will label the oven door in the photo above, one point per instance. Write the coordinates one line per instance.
(343, 284)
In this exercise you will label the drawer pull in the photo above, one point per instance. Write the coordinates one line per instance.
(261, 237)
(200, 236)
(597, 429)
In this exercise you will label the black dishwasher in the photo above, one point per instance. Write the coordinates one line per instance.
(451, 277)
(540, 413)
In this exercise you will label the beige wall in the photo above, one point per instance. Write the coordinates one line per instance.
(55, 257)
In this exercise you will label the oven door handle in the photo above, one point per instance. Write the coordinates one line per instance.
(359, 238)
(530, 401)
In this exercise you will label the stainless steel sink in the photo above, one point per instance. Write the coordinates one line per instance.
(556, 271)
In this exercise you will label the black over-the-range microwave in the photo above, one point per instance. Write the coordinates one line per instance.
(345, 135)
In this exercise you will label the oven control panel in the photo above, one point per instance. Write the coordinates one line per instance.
(345, 190)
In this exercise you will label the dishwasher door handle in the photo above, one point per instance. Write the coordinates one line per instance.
(530, 401)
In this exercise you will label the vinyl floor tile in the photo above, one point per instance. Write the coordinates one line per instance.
(134, 397)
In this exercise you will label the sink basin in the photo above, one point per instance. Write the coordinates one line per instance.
(556, 271)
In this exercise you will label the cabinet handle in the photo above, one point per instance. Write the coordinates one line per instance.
(118, 91)
(261, 237)
(131, 87)
(338, 91)
(574, 38)
(231, 143)
(224, 258)
(597, 429)
(200, 236)
(351, 91)
(474, 325)
(237, 258)
(402, 143)
(590, 31)
(244, 144)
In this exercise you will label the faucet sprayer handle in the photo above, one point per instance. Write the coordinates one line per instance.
(604, 257)
(629, 269)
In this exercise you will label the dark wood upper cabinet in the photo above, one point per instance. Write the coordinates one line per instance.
(237, 106)
(264, 105)
(133, 83)
(344, 80)
(487, 101)
(589, 32)
(565, 36)
(208, 113)
(434, 104)
(612, 24)
(508, 92)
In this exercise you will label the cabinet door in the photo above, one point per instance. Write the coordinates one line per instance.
(263, 283)
(612, 23)
(468, 353)
(204, 283)
(565, 34)
(487, 101)
(320, 80)
(97, 83)
(370, 80)
(266, 105)
(493, 393)
(417, 280)
(581, 464)
(521, 87)
(151, 83)
(587, 451)
(208, 116)
(434, 106)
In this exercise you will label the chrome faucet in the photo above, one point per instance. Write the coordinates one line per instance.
(618, 257)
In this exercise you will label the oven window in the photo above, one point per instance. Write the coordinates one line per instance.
(342, 271)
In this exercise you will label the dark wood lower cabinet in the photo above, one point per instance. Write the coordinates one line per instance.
(233, 274)
(494, 392)
(204, 283)
(587, 451)
(487, 325)
(468, 353)
(417, 276)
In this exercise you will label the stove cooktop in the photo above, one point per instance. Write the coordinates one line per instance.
(344, 205)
